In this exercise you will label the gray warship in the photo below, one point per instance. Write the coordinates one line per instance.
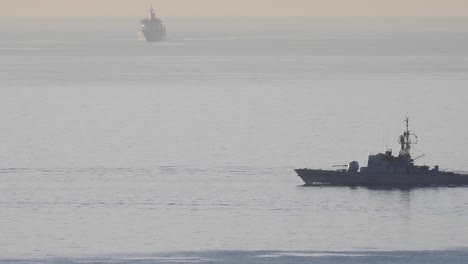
(385, 169)
(152, 27)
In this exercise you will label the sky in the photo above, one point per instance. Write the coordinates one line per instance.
(432, 9)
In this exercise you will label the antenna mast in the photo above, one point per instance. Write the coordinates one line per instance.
(152, 15)
(405, 140)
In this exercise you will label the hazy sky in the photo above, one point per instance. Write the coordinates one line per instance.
(237, 8)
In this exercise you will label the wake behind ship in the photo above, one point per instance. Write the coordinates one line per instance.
(152, 27)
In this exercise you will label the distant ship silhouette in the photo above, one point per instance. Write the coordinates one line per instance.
(152, 27)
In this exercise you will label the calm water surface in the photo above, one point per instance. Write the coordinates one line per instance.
(123, 151)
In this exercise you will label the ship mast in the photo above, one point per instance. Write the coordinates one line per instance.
(152, 15)
(405, 141)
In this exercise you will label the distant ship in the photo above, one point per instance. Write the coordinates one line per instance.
(384, 169)
(152, 27)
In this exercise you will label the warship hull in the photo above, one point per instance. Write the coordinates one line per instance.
(152, 36)
(152, 28)
(347, 178)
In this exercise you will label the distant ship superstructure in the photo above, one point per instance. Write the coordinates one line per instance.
(152, 27)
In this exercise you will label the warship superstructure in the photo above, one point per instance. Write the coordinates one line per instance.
(152, 27)
(385, 169)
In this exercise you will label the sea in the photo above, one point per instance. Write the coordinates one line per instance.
(115, 150)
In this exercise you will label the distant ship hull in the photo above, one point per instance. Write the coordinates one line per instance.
(152, 36)
(152, 28)
(346, 178)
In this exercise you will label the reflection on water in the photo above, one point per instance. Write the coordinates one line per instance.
(268, 257)
(87, 211)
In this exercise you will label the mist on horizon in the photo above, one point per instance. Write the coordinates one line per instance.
(428, 9)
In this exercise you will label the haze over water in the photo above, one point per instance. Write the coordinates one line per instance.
(130, 151)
